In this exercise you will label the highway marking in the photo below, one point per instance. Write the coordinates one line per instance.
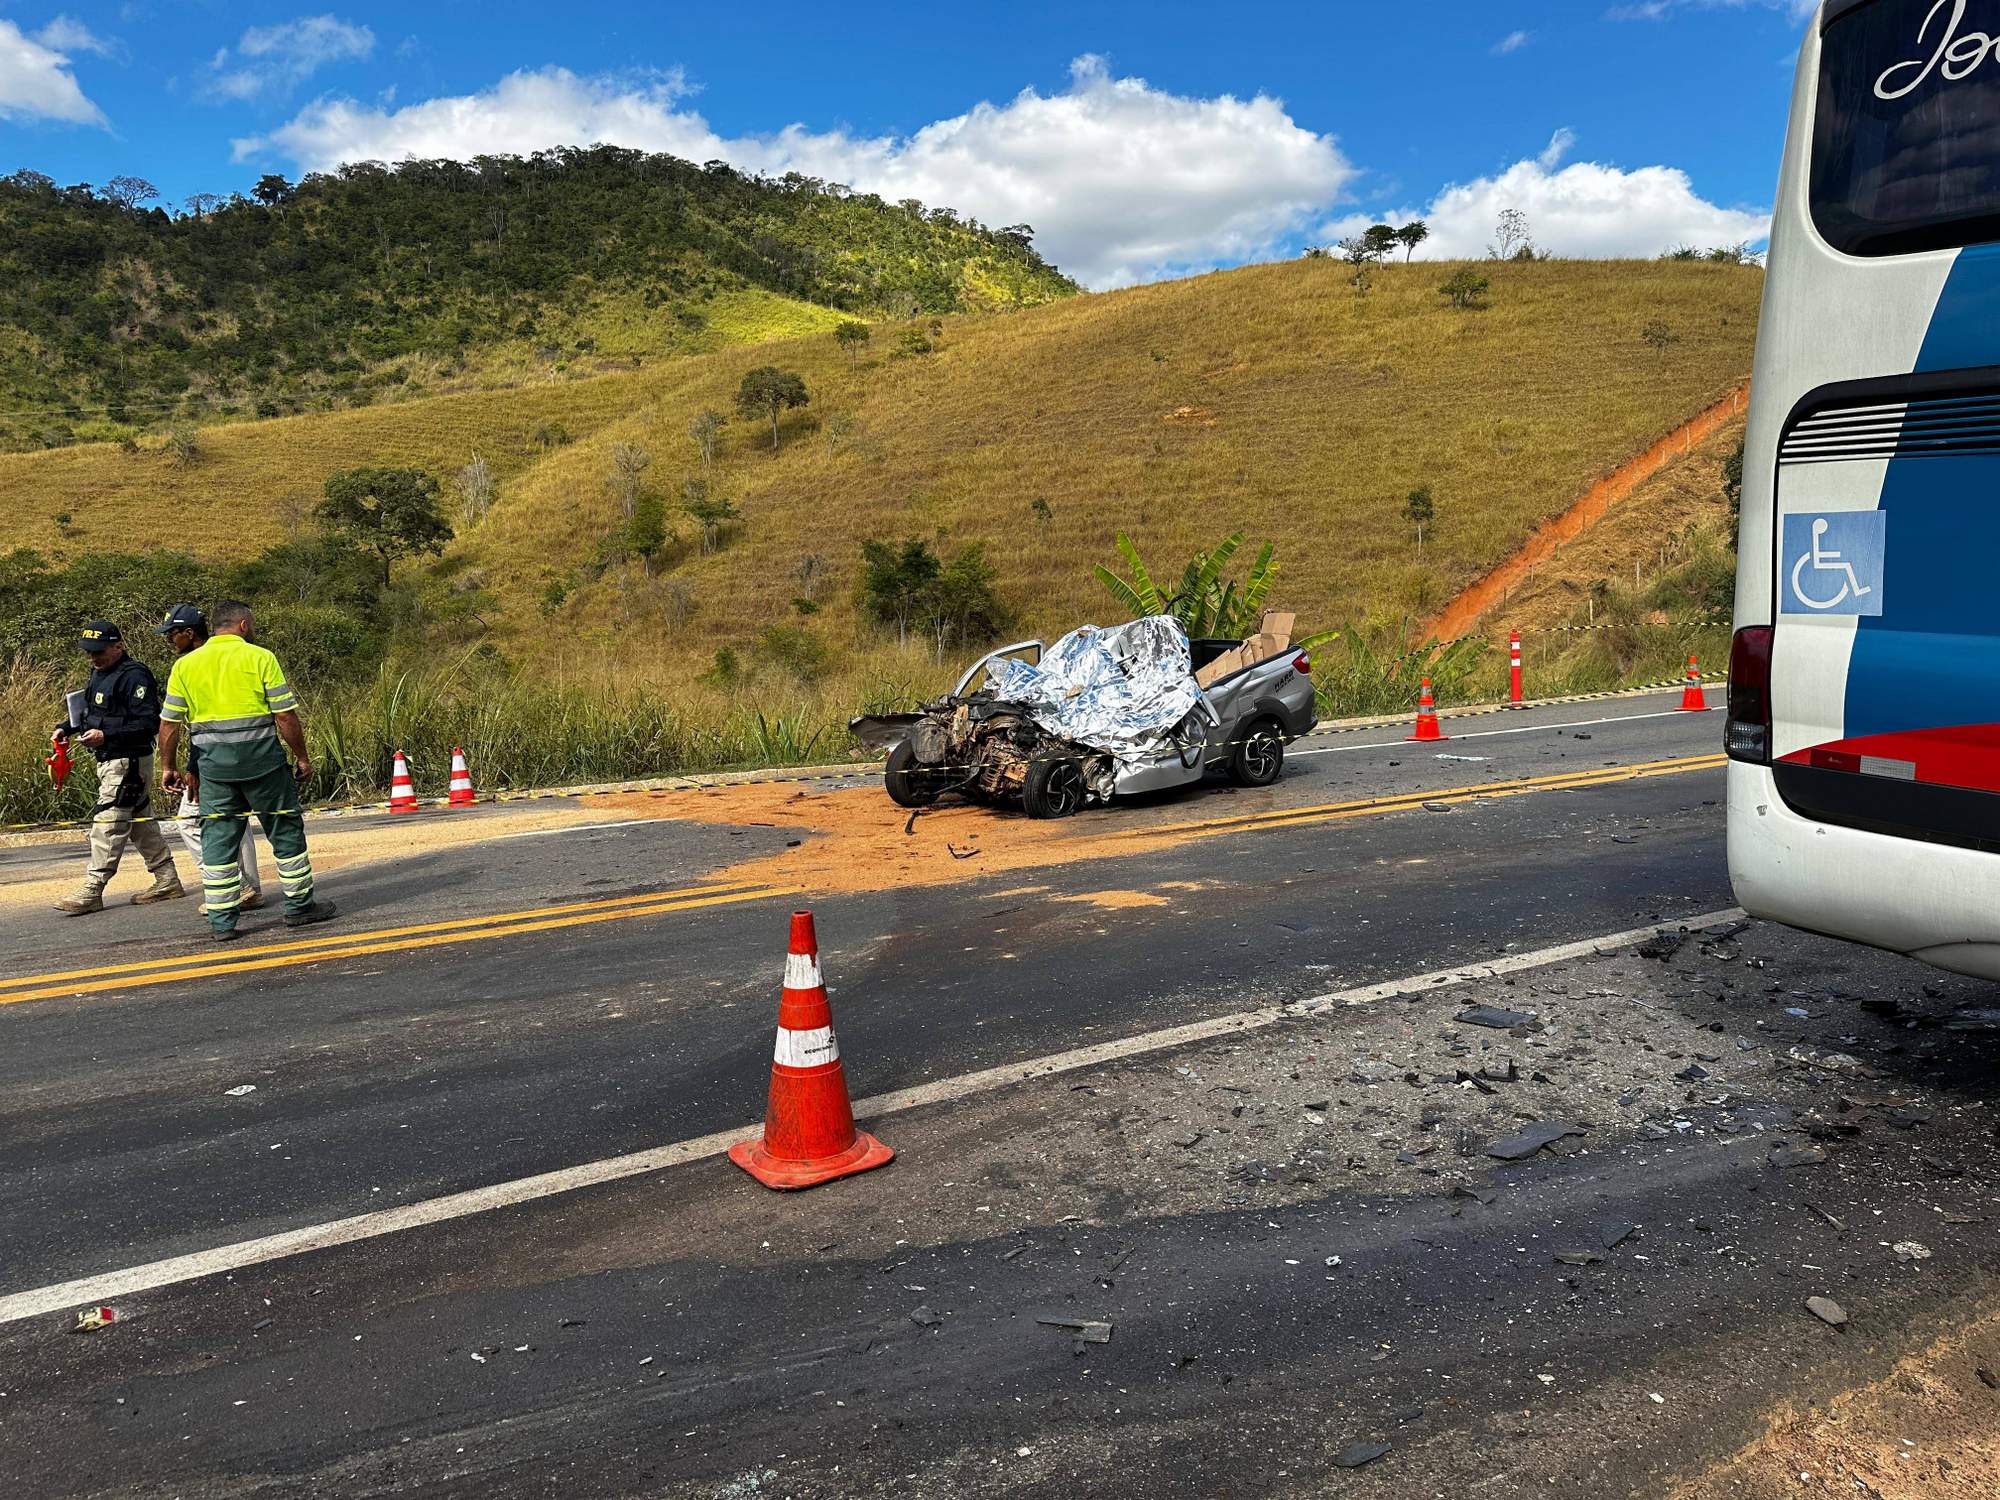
(110, 1285)
(1292, 817)
(1484, 734)
(363, 944)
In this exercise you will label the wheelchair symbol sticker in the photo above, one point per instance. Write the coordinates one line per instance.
(1832, 563)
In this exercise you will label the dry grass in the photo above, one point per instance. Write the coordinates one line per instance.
(1269, 398)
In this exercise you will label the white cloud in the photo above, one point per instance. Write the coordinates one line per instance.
(1122, 181)
(35, 80)
(277, 59)
(1513, 41)
(68, 35)
(1659, 10)
(1584, 210)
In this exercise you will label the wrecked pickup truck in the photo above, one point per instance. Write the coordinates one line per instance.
(1102, 713)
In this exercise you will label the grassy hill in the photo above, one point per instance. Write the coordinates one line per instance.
(1272, 399)
(117, 317)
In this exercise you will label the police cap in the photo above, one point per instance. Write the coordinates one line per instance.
(97, 634)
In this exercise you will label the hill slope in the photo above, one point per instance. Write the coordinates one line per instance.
(1271, 399)
(326, 293)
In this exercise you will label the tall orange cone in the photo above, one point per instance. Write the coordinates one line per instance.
(1428, 731)
(809, 1134)
(462, 794)
(402, 793)
(1693, 701)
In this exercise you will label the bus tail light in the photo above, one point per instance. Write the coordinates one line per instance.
(1748, 733)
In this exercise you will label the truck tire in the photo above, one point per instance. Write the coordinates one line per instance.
(1054, 788)
(1260, 759)
(908, 784)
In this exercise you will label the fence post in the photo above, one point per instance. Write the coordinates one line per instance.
(1514, 666)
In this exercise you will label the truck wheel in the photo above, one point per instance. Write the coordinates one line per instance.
(908, 784)
(1054, 788)
(1260, 759)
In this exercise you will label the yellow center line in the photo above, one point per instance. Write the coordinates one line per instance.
(249, 963)
(347, 939)
(1286, 816)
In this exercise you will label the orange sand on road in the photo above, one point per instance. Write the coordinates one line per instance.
(862, 844)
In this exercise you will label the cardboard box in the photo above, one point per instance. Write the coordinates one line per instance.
(1273, 635)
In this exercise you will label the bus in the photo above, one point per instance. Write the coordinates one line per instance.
(1863, 726)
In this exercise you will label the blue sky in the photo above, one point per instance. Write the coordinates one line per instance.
(1139, 140)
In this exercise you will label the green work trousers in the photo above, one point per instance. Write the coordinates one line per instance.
(226, 807)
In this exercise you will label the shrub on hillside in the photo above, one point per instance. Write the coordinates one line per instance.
(1466, 288)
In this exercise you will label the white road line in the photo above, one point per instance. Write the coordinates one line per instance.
(542, 833)
(112, 1285)
(1487, 734)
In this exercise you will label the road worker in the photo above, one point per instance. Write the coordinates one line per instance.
(240, 718)
(120, 717)
(186, 629)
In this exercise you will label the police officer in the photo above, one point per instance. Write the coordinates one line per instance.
(240, 717)
(186, 629)
(121, 716)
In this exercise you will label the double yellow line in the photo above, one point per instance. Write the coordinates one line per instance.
(128, 976)
(1328, 812)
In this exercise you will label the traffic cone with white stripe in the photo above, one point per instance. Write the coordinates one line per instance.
(1428, 731)
(809, 1134)
(462, 794)
(1693, 700)
(402, 792)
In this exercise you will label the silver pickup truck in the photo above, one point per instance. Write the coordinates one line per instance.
(986, 748)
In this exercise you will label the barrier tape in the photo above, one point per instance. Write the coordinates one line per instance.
(652, 787)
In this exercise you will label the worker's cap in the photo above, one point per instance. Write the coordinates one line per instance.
(98, 634)
(182, 617)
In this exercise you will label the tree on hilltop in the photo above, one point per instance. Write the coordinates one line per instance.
(850, 334)
(770, 391)
(1379, 240)
(1412, 235)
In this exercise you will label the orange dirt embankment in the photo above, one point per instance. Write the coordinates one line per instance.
(1464, 614)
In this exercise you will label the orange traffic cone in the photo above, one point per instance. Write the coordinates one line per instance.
(809, 1134)
(1693, 701)
(1427, 718)
(402, 794)
(462, 794)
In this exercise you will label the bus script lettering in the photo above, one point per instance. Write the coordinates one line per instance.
(1954, 57)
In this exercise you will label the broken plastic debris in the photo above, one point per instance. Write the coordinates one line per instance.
(1354, 1455)
(1538, 1135)
(1827, 1311)
(925, 1317)
(1087, 1330)
(93, 1318)
(1494, 1016)
(1796, 1156)
(240, 1090)
(1909, 1250)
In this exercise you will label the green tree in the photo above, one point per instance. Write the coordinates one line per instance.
(850, 334)
(959, 605)
(272, 190)
(1412, 235)
(390, 512)
(896, 580)
(710, 511)
(1420, 509)
(769, 391)
(647, 533)
(1380, 240)
(1466, 288)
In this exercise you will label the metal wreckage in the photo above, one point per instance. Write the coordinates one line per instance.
(1100, 714)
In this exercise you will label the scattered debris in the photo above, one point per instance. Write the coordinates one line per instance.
(1973, 1018)
(1836, 1223)
(1911, 1250)
(1613, 1235)
(925, 1318)
(239, 1091)
(1354, 1455)
(1832, 1062)
(1663, 944)
(1827, 1311)
(1783, 1155)
(1443, 807)
(1494, 1016)
(1579, 1258)
(1538, 1135)
(93, 1318)
(1087, 1330)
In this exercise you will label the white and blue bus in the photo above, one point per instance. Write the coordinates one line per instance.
(1864, 691)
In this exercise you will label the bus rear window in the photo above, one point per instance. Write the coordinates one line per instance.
(1906, 141)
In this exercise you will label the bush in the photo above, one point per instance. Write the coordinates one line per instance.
(1466, 289)
(796, 650)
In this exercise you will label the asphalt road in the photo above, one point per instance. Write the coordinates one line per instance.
(583, 1011)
